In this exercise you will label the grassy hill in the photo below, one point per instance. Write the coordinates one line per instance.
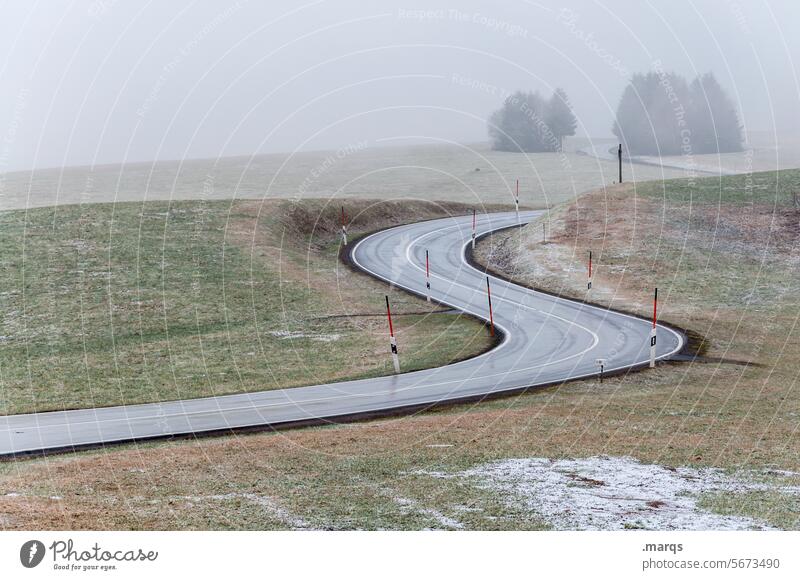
(136, 302)
(724, 253)
(725, 431)
(470, 174)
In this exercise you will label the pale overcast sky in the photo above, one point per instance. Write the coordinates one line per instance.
(103, 81)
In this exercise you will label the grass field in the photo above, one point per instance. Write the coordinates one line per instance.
(762, 152)
(470, 174)
(712, 444)
(136, 302)
(724, 255)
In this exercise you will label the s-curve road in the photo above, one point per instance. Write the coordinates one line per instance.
(544, 340)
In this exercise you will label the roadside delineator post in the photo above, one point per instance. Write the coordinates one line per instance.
(473, 228)
(601, 362)
(619, 155)
(428, 275)
(516, 200)
(589, 285)
(392, 339)
(653, 331)
(544, 233)
(344, 229)
(491, 315)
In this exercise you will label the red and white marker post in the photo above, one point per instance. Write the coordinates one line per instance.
(516, 200)
(589, 285)
(653, 331)
(392, 339)
(473, 228)
(491, 314)
(428, 275)
(344, 229)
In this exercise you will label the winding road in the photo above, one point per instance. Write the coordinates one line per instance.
(545, 339)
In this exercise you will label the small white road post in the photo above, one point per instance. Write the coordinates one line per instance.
(428, 275)
(473, 229)
(344, 229)
(392, 339)
(516, 201)
(589, 285)
(601, 362)
(653, 331)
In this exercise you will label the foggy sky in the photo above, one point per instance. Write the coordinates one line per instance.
(106, 81)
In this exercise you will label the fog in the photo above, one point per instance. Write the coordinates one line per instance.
(104, 81)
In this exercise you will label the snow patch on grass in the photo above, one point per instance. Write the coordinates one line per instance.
(441, 519)
(612, 493)
(296, 334)
(268, 504)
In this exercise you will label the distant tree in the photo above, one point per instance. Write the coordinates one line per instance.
(632, 125)
(508, 126)
(649, 114)
(560, 118)
(713, 118)
(660, 114)
(668, 112)
(527, 122)
(500, 131)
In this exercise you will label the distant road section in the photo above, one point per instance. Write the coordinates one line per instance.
(545, 339)
(687, 163)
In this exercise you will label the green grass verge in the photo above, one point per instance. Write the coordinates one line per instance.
(769, 187)
(367, 475)
(129, 303)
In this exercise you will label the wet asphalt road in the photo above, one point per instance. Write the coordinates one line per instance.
(545, 340)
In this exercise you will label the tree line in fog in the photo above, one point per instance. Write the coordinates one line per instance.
(659, 114)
